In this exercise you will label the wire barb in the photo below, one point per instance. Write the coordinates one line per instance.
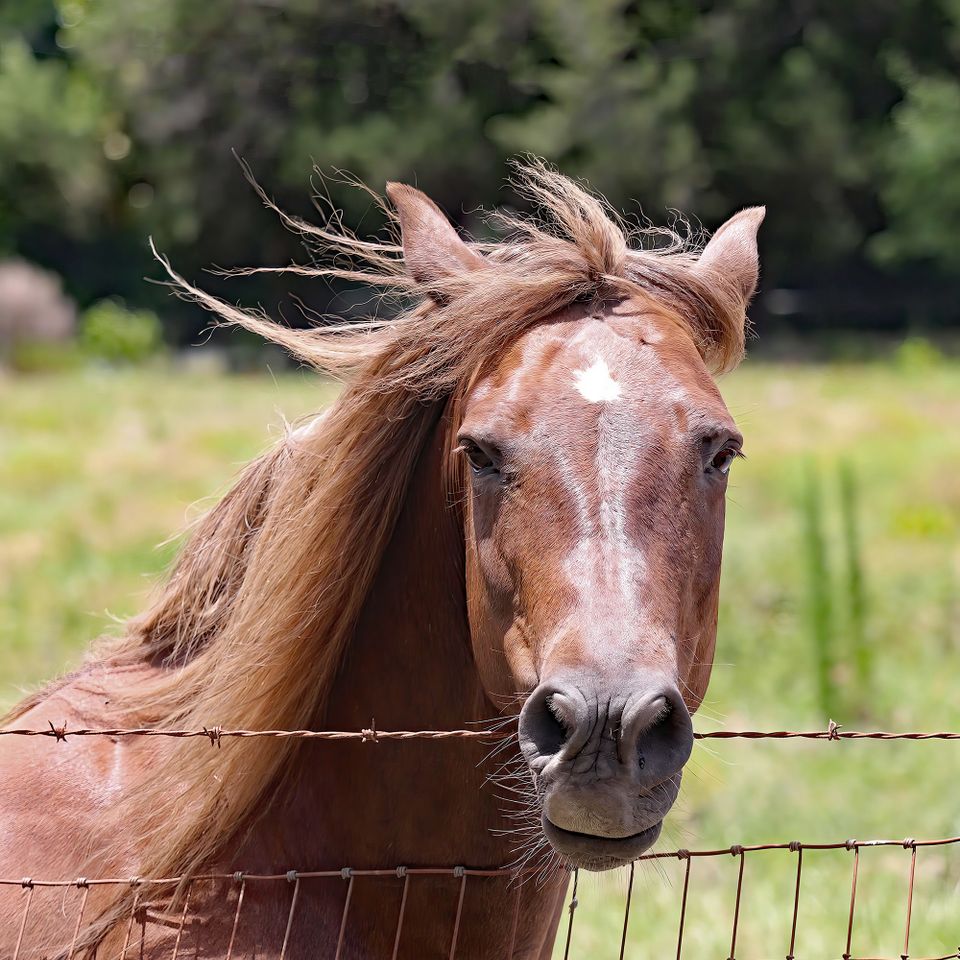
(60, 732)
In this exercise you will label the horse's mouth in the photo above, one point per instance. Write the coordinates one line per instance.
(587, 851)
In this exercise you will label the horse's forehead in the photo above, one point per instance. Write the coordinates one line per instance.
(618, 366)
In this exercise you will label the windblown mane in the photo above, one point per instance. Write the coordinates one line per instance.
(251, 625)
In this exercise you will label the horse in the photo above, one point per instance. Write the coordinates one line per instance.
(512, 513)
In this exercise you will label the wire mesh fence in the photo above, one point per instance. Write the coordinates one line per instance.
(149, 904)
(151, 901)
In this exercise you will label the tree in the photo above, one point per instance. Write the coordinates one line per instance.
(117, 119)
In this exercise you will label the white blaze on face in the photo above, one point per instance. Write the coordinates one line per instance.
(595, 383)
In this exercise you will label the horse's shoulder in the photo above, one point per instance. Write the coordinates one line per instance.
(58, 787)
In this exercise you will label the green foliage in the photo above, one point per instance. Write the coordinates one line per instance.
(920, 188)
(52, 168)
(854, 588)
(36, 356)
(109, 331)
(117, 118)
(820, 607)
(838, 608)
(918, 354)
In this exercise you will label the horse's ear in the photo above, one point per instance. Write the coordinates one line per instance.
(432, 248)
(732, 251)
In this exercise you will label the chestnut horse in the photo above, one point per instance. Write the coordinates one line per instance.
(517, 499)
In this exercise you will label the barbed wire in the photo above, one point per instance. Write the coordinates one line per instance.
(215, 734)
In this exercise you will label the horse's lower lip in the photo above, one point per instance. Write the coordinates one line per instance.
(591, 852)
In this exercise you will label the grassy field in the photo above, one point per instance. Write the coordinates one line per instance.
(98, 468)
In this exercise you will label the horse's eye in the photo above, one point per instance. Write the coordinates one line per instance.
(723, 460)
(481, 462)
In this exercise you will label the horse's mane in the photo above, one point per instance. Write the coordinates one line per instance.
(250, 628)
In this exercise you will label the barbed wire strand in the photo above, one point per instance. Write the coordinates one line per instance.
(61, 733)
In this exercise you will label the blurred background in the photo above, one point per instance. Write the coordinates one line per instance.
(118, 118)
(120, 417)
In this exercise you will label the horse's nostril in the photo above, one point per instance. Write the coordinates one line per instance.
(544, 726)
(550, 732)
(663, 715)
(662, 733)
(561, 721)
(660, 710)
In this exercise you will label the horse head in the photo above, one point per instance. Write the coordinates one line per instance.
(592, 455)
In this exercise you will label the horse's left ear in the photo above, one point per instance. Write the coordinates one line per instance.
(732, 251)
(432, 248)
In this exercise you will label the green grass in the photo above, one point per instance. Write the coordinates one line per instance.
(98, 468)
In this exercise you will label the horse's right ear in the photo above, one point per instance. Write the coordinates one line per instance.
(732, 252)
(432, 248)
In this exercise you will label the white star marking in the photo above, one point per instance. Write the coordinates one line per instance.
(595, 383)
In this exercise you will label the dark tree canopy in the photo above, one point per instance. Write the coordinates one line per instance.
(118, 118)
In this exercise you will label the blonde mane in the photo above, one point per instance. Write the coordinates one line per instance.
(251, 626)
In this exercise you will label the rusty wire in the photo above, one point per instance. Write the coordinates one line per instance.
(404, 875)
(346, 873)
(215, 734)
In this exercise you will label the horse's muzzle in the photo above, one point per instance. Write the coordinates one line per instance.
(607, 763)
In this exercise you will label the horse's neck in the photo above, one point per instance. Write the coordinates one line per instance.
(408, 667)
(413, 803)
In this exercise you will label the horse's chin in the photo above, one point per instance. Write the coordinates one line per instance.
(586, 851)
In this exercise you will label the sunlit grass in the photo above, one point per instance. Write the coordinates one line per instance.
(99, 468)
